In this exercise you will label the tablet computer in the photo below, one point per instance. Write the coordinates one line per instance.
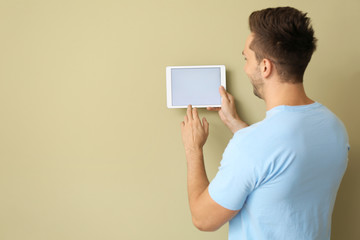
(195, 85)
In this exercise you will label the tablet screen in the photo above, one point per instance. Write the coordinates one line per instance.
(195, 86)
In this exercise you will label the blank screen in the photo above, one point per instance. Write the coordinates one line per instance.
(195, 86)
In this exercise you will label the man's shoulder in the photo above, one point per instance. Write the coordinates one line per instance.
(286, 124)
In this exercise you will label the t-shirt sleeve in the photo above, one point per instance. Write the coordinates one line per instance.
(236, 177)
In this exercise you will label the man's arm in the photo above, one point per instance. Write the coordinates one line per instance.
(207, 215)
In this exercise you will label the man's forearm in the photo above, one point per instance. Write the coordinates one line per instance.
(196, 177)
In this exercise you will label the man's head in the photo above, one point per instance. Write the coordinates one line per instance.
(284, 36)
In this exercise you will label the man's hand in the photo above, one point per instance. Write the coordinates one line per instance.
(227, 112)
(194, 133)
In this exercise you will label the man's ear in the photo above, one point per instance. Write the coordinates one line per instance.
(266, 68)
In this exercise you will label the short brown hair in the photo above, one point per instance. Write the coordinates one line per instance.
(285, 36)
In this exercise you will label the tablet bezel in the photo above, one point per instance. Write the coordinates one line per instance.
(168, 83)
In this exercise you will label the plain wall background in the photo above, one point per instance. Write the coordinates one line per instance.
(88, 149)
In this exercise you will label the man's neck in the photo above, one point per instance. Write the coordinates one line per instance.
(291, 94)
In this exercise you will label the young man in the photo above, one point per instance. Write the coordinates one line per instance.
(279, 177)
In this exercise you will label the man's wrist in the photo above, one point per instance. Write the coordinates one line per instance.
(236, 125)
(194, 151)
(194, 154)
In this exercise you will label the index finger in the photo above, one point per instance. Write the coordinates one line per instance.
(189, 112)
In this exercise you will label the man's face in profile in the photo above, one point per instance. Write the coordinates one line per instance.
(252, 68)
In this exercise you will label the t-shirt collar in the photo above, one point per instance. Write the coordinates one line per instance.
(296, 108)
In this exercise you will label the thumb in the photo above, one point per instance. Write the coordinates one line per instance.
(214, 109)
(223, 93)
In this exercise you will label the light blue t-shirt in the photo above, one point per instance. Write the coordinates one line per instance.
(283, 173)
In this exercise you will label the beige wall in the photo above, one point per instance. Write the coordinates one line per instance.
(88, 149)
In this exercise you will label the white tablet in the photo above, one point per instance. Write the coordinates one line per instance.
(195, 85)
